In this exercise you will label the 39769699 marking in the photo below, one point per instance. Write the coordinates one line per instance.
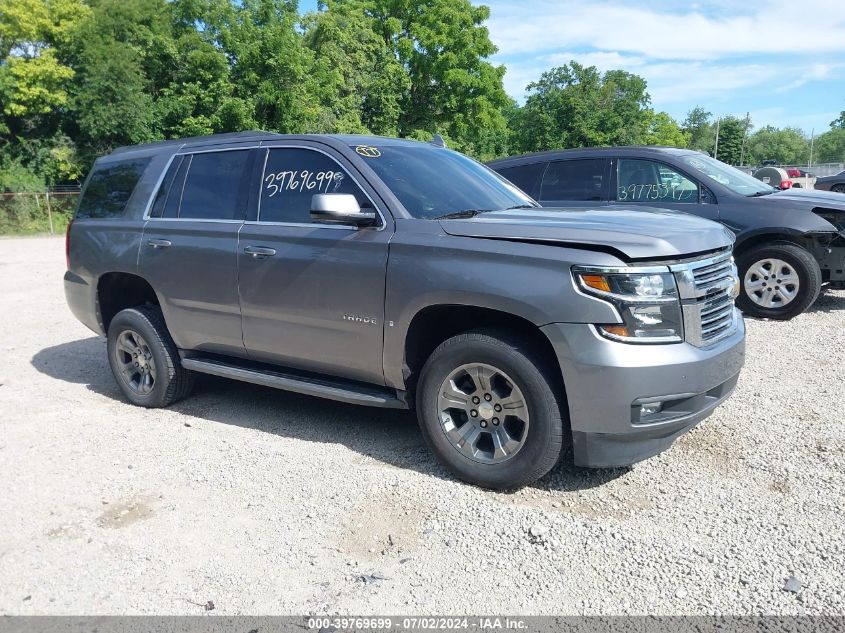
(351, 623)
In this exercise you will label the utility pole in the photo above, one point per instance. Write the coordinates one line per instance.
(716, 150)
(744, 138)
(812, 140)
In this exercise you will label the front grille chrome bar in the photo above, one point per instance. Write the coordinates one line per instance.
(707, 289)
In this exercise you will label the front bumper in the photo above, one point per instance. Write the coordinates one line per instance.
(606, 382)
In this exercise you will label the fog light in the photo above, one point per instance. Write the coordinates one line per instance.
(650, 409)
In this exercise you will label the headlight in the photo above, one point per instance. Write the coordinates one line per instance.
(647, 303)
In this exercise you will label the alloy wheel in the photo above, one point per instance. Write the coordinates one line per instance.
(135, 362)
(483, 413)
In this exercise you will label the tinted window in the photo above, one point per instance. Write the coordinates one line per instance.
(431, 181)
(526, 177)
(168, 193)
(574, 180)
(292, 176)
(730, 177)
(109, 188)
(214, 186)
(649, 181)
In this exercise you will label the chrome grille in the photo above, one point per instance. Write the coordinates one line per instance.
(707, 289)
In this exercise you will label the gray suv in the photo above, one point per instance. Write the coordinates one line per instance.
(401, 274)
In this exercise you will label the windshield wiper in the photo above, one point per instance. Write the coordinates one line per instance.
(521, 206)
(465, 213)
(757, 194)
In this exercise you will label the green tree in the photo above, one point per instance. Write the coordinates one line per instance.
(576, 106)
(33, 79)
(787, 146)
(830, 147)
(731, 134)
(838, 123)
(115, 50)
(662, 129)
(699, 128)
(273, 70)
(34, 87)
(368, 83)
(195, 90)
(453, 89)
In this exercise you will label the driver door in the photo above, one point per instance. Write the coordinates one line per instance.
(651, 183)
(311, 294)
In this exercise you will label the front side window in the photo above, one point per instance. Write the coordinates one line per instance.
(431, 181)
(292, 176)
(650, 181)
(109, 188)
(574, 180)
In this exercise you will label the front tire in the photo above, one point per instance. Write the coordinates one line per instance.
(144, 359)
(488, 409)
(779, 281)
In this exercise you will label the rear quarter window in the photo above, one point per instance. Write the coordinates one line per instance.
(109, 188)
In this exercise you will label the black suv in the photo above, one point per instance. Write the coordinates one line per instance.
(788, 243)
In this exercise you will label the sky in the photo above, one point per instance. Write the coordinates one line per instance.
(782, 61)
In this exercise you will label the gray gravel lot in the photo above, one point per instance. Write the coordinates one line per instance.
(267, 502)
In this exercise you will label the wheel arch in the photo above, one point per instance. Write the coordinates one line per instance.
(118, 291)
(434, 324)
(769, 237)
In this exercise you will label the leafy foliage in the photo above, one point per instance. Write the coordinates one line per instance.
(731, 134)
(576, 106)
(81, 77)
(787, 146)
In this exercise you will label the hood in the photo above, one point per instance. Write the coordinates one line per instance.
(808, 198)
(641, 233)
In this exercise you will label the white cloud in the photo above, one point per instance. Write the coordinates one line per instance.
(815, 122)
(815, 72)
(668, 82)
(692, 32)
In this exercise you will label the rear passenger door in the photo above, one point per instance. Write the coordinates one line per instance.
(575, 182)
(651, 183)
(312, 295)
(190, 245)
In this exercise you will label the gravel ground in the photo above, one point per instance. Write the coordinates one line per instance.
(266, 502)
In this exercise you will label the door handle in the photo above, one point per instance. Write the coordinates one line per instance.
(158, 243)
(259, 252)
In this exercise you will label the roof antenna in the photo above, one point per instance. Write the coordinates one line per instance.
(438, 141)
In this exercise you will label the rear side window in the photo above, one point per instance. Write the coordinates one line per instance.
(214, 186)
(526, 177)
(109, 188)
(574, 180)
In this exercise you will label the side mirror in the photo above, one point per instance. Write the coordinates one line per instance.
(340, 208)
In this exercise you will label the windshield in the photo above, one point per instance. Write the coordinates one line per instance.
(732, 178)
(432, 182)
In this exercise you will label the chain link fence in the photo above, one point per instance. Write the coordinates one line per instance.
(28, 213)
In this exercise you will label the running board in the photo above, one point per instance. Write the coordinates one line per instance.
(351, 393)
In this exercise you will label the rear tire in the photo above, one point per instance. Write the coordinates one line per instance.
(144, 359)
(504, 445)
(838, 188)
(778, 281)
